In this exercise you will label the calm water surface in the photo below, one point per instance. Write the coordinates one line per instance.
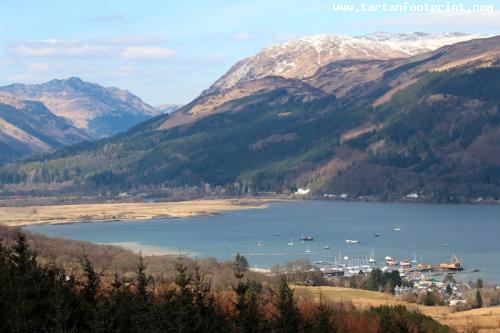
(433, 232)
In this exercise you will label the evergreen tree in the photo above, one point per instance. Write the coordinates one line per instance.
(479, 299)
(323, 318)
(288, 319)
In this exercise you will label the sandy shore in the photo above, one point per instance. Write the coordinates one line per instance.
(22, 216)
(149, 250)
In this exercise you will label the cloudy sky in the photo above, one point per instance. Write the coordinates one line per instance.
(169, 51)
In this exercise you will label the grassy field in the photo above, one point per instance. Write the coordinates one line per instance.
(18, 216)
(485, 320)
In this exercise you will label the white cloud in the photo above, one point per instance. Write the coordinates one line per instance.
(135, 40)
(143, 52)
(55, 47)
(39, 67)
(126, 47)
(243, 36)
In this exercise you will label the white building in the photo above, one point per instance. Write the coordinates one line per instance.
(303, 191)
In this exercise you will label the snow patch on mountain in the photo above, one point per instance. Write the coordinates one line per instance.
(302, 57)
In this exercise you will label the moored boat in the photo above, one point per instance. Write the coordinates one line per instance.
(390, 261)
(454, 265)
(405, 263)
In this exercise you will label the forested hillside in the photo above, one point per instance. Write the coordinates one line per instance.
(425, 125)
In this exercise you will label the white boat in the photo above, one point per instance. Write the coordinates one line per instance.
(352, 241)
(259, 244)
(372, 260)
(397, 228)
(327, 247)
(346, 258)
(414, 261)
(290, 243)
(390, 261)
(405, 263)
(308, 250)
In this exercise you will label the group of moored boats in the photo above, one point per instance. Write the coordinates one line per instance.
(404, 265)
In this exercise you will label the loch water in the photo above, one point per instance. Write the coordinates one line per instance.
(432, 232)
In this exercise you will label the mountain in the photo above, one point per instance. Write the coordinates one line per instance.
(28, 127)
(312, 60)
(301, 58)
(383, 128)
(99, 111)
(167, 108)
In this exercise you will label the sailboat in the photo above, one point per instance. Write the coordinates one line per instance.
(290, 243)
(414, 261)
(397, 228)
(372, 260)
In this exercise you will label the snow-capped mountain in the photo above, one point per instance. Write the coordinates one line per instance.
(419, 42)
(301, 58)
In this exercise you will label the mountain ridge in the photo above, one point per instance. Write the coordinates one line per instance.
(99, 111)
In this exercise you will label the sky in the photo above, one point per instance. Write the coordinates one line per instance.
(168, 51)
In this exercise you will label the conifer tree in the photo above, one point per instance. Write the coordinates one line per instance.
(288, 319)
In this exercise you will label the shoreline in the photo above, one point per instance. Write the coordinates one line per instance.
(124, 212)
(149, 250)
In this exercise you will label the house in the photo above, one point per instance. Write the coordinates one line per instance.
(303, 191)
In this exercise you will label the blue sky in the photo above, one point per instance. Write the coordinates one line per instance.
(169, 51)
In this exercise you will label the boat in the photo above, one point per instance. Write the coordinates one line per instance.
(423, 267)
(259, 244)
(352, 241)
(390, 261)
(405, 263)
(306, 238)
(372, 260)
(290, 243)
(414, 261)
(346, 258)
(327, 247)
(397, 228)
(454, 264)
(308, 250)
(276, 234)
(376, 235)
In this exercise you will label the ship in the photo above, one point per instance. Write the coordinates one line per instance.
(405, 263)
(390, 261)
(352, 241)
(454, 265)
(372, 259)
(306, 238)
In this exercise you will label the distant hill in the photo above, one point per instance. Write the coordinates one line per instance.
(167, 108)
(383, 128)
(99, 111)
(28, 127)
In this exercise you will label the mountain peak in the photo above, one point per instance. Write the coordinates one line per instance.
(98, 110)
(301, 58)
